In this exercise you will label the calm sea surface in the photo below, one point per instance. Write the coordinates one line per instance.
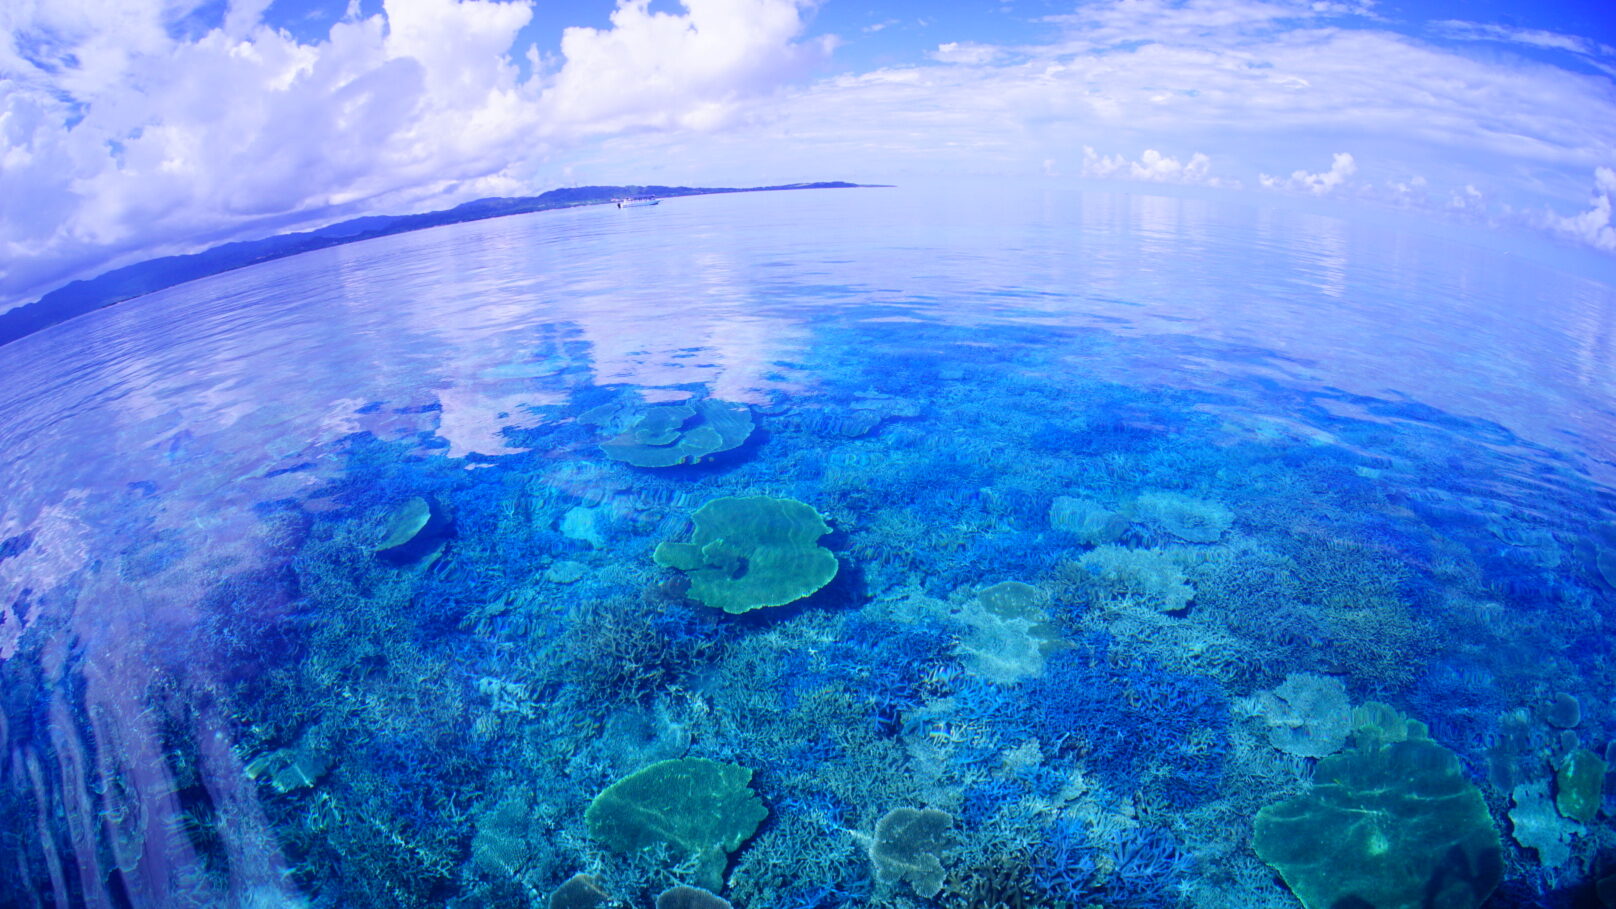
(831, 548)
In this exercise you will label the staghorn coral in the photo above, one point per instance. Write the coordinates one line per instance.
(627, 651)
(1131, 721)
(1147, 576)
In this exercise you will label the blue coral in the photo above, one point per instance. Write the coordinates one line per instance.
(1126, 715)
(885, 662)
(1063, 865)
(1147, 865)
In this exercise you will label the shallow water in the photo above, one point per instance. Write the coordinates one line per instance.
(1221, 446)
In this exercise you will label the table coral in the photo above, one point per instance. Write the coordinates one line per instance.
(703, 808)
(748, 552)
(1390, 823)
(668, 434)
(1307, 715)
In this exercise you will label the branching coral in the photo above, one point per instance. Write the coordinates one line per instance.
(1147, 576)
(1126, 715)
(624, 651)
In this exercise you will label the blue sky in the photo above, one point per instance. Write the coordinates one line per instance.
(901, 32)
(134, 128)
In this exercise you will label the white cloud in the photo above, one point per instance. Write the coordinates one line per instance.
(1108, 25)
(968, 53)
(1152, 167)
(1531, 37)
(119, 141)
(1595, 226)
(1341, 167)
(662, 70)
(1465, 198)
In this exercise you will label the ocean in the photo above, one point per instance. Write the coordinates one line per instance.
(1005, 547)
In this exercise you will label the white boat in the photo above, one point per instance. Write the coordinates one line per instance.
(636, 203)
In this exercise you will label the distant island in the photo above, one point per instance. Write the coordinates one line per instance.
(80, 297)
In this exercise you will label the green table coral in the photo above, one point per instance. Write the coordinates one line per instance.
(665, 435)
(416, 528)
(705, 809)
(1580, 785)
(1391, 823)
(752, 551)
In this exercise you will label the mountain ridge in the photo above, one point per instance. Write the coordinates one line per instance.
(121, 284)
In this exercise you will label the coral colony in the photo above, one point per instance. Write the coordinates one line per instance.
(852, 651)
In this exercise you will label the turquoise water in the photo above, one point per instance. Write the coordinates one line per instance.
(1179, 554)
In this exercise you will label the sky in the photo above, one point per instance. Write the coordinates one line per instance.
(137, 128)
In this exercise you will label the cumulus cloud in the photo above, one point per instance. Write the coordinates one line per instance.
(663, 70)
(126, 133)
(1341, 167)
(1593, 227)
(1152, 167)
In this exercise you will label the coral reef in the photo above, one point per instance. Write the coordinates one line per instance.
(703, 808)
(666, 435)
(433, 732)
(1390, 822)
(748, 552)
(909, 845)
(1307, 715)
